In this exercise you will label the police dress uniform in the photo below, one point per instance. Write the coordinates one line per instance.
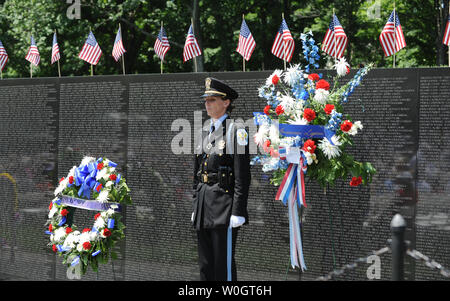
(221, 185)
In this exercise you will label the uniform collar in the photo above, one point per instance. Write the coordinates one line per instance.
(219, 121)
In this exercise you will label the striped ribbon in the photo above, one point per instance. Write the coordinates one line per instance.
(292, 193)
(229, 252)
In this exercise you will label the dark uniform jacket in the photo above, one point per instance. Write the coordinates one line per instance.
(221, 178)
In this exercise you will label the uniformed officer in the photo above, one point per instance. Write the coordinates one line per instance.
(221, 184)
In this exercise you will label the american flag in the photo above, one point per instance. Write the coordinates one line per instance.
(387, 36)
(3, 56)
(55, 50)
(162, 44)
(283, 46)
(446, 39)
(191, 48)
(118, 49)
(246, 43)
(33, 53)
(91, 51)
(335, 33)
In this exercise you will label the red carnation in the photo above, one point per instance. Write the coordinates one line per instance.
(50, 227)
(99, 187)
(100, 166)
(279, 110)
(309, 114)
(87, 245)
(86, 230)
(70, 180)
(328, 109)
(323, 84)
(266, 110)
(348, 69)
(314, 76)
(64, 212)
(356, 181)
(50, 206)
(54, 248)
(309, 146)
(62, 179)
(346, 126)
(266, 146)
(274, 153)
(68, 230)
(275, 79)
(97, 216)
(113, 177)
(106, 232)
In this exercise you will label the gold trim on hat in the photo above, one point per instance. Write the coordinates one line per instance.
(216, 92)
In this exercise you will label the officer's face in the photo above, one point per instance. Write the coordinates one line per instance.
(216, 106)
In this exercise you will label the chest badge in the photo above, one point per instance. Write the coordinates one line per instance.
(242, 137)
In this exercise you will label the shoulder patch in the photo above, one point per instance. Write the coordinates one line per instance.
(242, 137)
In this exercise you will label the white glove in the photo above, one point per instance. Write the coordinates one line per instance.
(236, 221)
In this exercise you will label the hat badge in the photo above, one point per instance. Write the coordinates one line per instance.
(208, 83)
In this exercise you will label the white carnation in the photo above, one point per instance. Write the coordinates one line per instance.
(355, 127)
(71, 240)
(99, 222)
(62, 185)
(86, 160)
(101, 174)
(59, 235)
(321, 96)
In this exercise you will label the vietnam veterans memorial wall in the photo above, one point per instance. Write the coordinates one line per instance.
(47, 125)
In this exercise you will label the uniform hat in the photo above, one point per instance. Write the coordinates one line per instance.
(215, 87)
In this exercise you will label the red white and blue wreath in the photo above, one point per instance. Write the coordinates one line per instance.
(93, 185)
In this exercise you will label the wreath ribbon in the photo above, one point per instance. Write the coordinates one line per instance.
(292, 193)
(88, 204)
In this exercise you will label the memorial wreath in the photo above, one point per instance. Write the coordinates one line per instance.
(303, 131)
(94, 185)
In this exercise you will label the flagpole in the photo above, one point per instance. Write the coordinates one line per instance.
(92, 67)
(195, 58)
(31, 65)
(59, 68)
(334, 30)
(161, 58)
(243, 59)
(395, 36)
(123, 54)
(284, 44)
